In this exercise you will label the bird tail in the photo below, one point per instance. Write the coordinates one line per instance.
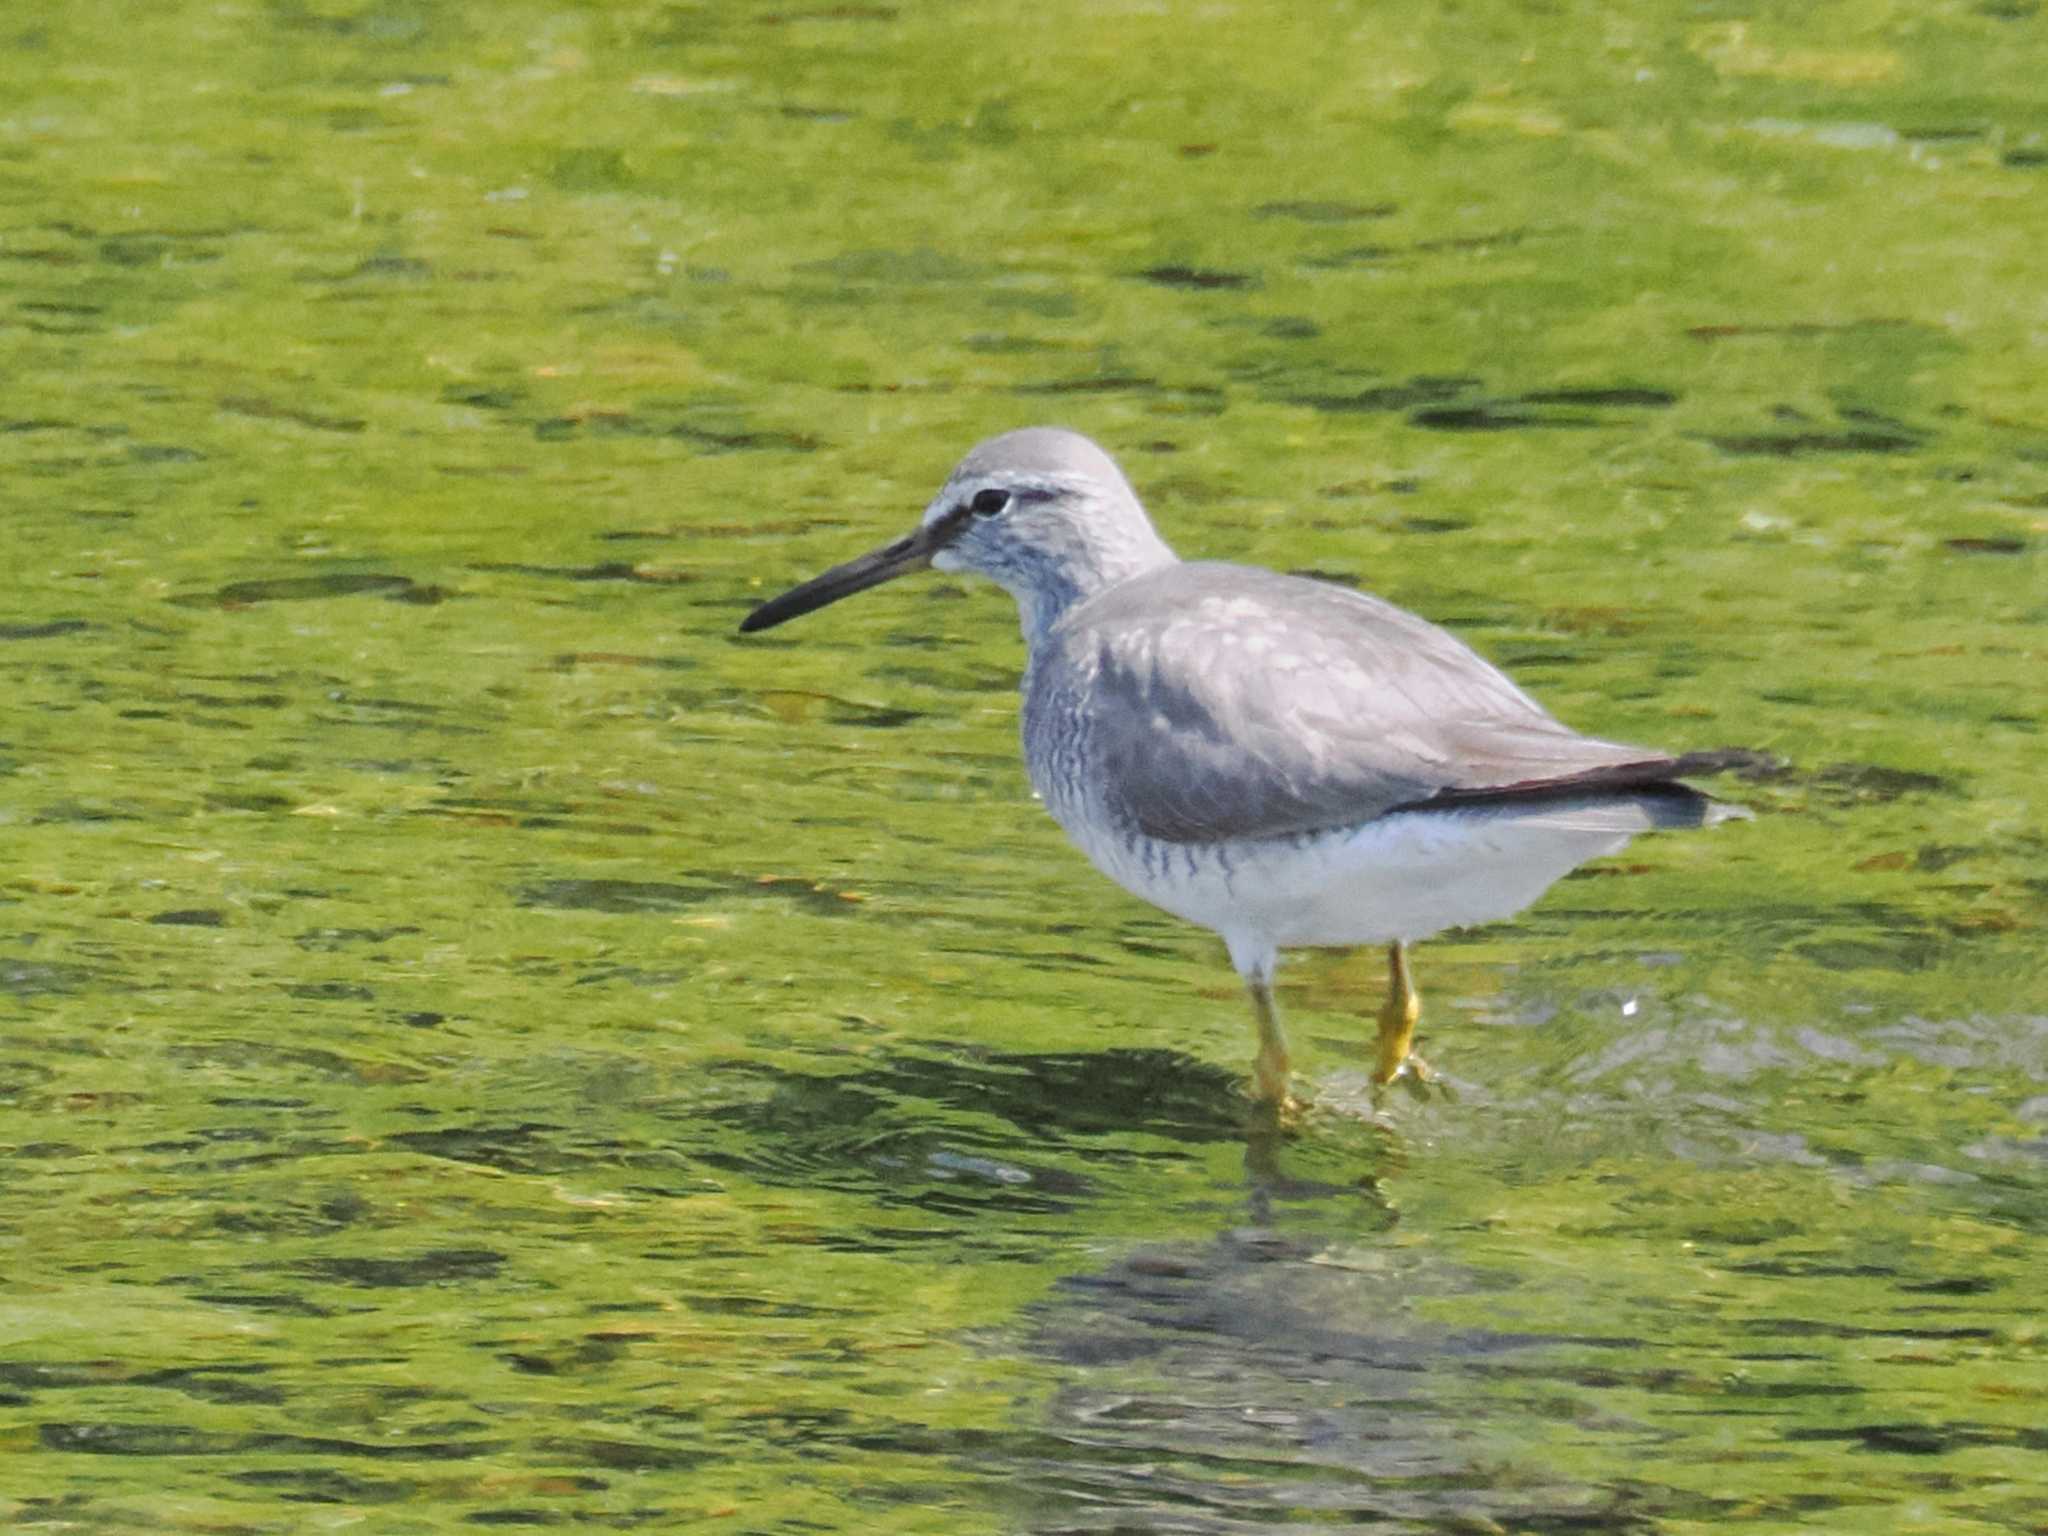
(1616, 813)
(1680, 805)
(1637, 796)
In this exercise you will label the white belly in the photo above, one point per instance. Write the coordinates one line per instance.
(1400, 877)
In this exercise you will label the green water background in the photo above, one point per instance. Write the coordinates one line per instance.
(482, 1045)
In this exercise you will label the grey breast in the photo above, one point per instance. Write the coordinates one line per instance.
(1206, 702)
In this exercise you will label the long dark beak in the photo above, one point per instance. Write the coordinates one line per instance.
(912, 553)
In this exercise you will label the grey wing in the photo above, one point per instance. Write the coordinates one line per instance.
(1227, 702)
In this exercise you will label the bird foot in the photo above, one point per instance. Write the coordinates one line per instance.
(1419, 1080)
(1282, 1111)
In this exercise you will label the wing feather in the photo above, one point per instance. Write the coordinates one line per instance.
(1224, 702)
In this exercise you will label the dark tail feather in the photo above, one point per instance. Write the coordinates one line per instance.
(1651, 781)
(1698, 765)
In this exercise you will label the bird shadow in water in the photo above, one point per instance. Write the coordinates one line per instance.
(953, 1131)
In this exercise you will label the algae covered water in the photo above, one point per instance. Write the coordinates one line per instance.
(482, 1044)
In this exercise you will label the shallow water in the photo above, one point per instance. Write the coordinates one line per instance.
(481, 1044)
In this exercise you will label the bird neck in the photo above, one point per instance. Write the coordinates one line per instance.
(1086, 569)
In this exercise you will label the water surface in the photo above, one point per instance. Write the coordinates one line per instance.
(481, 1044)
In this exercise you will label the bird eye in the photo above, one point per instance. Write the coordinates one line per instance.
(989, 502)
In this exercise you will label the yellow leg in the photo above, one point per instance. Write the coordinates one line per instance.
(1269, 1067)
(1397, 1021)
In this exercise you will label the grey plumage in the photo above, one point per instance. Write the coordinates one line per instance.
(1225, 702)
